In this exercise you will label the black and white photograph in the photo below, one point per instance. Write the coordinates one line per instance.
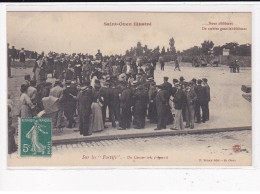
(130, 88)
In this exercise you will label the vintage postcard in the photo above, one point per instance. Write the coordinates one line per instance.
(90, 89)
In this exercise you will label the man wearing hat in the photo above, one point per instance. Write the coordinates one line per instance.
(177, 65)
(121, 64)
(152, 113)
(50, 64)
(125, 108)
(161, 60)
(105, 99)
(206, 85)
(78, 69)
(58, 68)
(140, 100)
(182, 81)
(22, 55)
(174, 88)
(127, 69)
(84, 109)
(69, 103)
(202, 101)
(168, 90)
(161, 106)
(190, 105)
(115, 91)
(99, 55)
(57, 92)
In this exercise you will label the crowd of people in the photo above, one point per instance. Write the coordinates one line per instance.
(91, 93)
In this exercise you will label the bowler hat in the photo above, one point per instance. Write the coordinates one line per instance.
(68, 82)
(175, 80)
(205, 80)
(199, 81)
(57, 82)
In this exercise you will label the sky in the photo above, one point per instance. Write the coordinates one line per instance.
(85, 31)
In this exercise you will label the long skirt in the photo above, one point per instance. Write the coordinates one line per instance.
(96, 119)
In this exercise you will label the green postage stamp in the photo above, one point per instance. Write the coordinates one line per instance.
(35, 136)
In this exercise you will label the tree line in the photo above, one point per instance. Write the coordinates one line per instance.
(206, 48)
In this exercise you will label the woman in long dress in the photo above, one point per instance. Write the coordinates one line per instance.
(96, 120)
(26, 103)
(33, 136)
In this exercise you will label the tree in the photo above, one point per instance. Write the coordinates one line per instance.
(139, 49)
(163, 51)
(127, 53)
(206, 46)
(232, 46)
(243, 50)
(172, 47)
(218, 50)
(156, 52)
(193, 51)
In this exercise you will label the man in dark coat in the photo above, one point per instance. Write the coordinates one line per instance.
(202, 101)
(115, 100)
(105, 99)
(168, 90)
(236, 66)
(114, 103)
(205, 83)
(69, 103)
(140, 99)
(69, 73)
(152, 112)
(125, 108)
(162, 63)
(85, 101)
(99, 56)
(58, 68)
(121, 65)
(22, 55)
(78, 69)
(13, 53)
(161, 105)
